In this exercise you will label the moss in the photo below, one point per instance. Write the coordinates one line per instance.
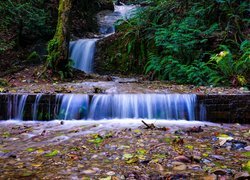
(3, 82)
(57, 59)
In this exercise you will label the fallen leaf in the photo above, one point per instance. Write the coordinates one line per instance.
(52, 153)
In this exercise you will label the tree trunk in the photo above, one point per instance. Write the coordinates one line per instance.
(58, 47)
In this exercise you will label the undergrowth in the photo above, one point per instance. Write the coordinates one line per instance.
(201, 42)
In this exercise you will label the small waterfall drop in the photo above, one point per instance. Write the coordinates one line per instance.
(74, 106)
(82, 51)
(102, 106)
(16, 104)
(35, 106)
(146, 106)
(106, 23)
(134, 106)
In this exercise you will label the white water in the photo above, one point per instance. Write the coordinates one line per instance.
(35, 106)
(73, 106)
(16, 104)
(82, 51)
(134, 106)
(106, 23)
(110, 106)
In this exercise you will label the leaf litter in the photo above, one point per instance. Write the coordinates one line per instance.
(146, 152)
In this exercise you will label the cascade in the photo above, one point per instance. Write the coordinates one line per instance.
(73, 106)
(146, 106)
(35, 106)
(134, 106)
(16, 104)
(102, 106)
(82, 51)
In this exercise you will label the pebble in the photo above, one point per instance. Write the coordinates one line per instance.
(205, 161)
(220, 172)
(247, 148)
(110, 173)
(94, 156)
(176, 163)
(242, 176)
(182, 167)
(89, 172)
(210, 177)
(195, 167)
(183, 159)
(218, 157)
(197, 158)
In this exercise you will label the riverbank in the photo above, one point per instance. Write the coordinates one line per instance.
(26, 81)
(123, 149)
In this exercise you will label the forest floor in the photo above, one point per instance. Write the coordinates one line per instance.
(26, 81)
(125, 150)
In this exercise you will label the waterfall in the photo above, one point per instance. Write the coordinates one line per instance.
(73, 106)
(146, 106)
(82, 53)
(103, 106)
(106, 23)
(16, 104)
(134, 106)
(35, 106)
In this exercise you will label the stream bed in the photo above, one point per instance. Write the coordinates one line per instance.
(123, 149)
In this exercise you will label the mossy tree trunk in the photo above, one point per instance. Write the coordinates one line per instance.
(58, 47)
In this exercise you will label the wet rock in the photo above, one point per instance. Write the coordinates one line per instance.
(242, 176)
(145, 162)
(94, 156)
(179, 132)
(197, 158)
(110, 173)
(195, 130)
(7, 155)
(183, 159)
(195, 167)
(98, 90)
(89, 172)
(176, 163)
(247, 148)
(238, 144)
(234, 144)
(214, 138)
(218, 157)
(176, 176)
(220, 172)
(206, 161)
(181, 167)
(210, 177)
(156, 166)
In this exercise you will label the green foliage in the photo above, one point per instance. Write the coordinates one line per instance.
(53, 58)
(21, 18)
(3, 82)
(53, 54)
(234, 72)
(34, 57)
(176, 40)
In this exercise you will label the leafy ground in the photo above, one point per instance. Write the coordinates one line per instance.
(66, 150)
(27, 81)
